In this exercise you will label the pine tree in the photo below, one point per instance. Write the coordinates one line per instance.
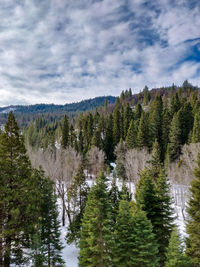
(47, 243)
(138, 112)
(128, 115)
(131, 137)
(114, 196)
(145, 248)
(95, 232)
(193, 224)
(175, 252)
(77, 196)
(156, 119)
(65, 132)
(165, 130)
(175, 104)
(108, 145)
(143, 132)
(196, 129)
(120, 152)
(174, 145)
(116, 125)
(19, 195)
(152, 196)
(123, 237)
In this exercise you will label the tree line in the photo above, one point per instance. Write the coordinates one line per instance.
(171, 118)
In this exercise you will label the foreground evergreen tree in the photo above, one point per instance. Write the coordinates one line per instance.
(19, 196)
(193, 225)
(47, 246)
(77, 197)
(123, 238)
(96, 237)
(145, 251)
(135, 243)
(153, 197)
(175, 255)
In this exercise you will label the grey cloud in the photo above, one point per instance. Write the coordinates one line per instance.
(61, 51)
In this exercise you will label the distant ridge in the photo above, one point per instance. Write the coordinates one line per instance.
(81, 106)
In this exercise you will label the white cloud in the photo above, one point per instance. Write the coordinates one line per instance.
(64, 50)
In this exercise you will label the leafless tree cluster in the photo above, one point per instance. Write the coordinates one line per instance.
(96, 159)
(135, 161)
(61, 166)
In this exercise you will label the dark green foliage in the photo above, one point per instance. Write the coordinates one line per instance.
(128, 116)
(65, 132)
(131, 137)
(138, 112)
(123, 236)
(145, 251)
(193, 224)
(96, 237)
(116, 125)
(196, 129)
(19, 195)
(156, 119)
(153, 197)
(108, 144)
(175, 252)
(175, 104)
(77, 197)
(135, 243)
(114, 196)
(120, 152)
(174, 145)
(143, 132)
(166, 120)
(46, 244)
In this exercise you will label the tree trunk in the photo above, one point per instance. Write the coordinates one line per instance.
(63, 211)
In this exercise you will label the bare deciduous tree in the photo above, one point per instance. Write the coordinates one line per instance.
(96, 158)
(135, 161)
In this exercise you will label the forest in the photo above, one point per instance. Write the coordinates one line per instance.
(102, 175)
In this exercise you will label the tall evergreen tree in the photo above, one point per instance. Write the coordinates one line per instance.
(145, 250)
(175, 252)
(174, 145)
(175, 104)
(156, 119)
(77, 197)
(123, 237)
(131, 137)
(120, 152)
(95, 232)
(128, 115)
(143, 132)
(108, 144)
(19, 195)
(47, 246)
(65, 132)
(196, 129)
(152, 196)
(116, 125)
(193, 224)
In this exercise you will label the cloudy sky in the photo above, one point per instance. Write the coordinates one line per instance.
(61, 51)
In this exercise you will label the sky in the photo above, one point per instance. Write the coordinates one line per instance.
(63, 51)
